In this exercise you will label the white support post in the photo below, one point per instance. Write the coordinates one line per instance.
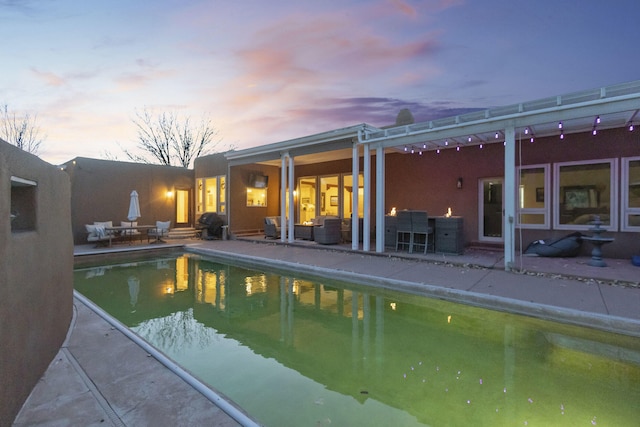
(366, 221)
(509, 197)
(291, 198)
(355, 174)
(380, 201)
(283, 196)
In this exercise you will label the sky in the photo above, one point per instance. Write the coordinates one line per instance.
(269, 71)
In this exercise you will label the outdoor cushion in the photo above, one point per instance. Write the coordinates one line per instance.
(91, 229)
(163, 225)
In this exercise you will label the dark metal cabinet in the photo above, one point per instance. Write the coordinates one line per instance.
(449, 235)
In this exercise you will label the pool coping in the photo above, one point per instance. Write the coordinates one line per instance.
(604, 322)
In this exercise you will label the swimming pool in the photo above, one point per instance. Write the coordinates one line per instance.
(292, 350)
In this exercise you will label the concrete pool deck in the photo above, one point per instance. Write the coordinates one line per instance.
(86, 385)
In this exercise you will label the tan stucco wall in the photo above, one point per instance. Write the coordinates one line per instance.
(101, 191)
(36, 276)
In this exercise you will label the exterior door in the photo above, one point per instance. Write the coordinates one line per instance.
(491, 210)
(182, 208)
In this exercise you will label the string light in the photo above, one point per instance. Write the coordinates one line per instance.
(446, 142)
(561, 134)
(458, 148)
(480, 146)
(526, 131)
(412, 150)
(559, 125)
(469, 139)
(598, 120)
(497, 135)
(631, 127)
(405, 148)
(438, 151)
(424, 146)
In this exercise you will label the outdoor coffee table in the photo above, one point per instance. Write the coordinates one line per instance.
(303, 231)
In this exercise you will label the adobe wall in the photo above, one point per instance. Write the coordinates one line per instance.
(36, 273)
(101, 189)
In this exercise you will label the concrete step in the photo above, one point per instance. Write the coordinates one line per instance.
(181, 233)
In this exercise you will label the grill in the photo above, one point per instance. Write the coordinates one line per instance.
(210, 225)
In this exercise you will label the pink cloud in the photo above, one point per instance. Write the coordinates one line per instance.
(49, 78)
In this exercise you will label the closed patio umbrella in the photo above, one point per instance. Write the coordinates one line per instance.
(134, 207)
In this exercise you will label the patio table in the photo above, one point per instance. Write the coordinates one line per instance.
(117, 231)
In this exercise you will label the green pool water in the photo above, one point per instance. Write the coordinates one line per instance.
(295, 351)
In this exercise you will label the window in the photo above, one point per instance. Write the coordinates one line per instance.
(23, 204)
(256, 197)
(211, 195)
(533, 196)
(307, 198)
(347, 195)
(630, 194)
(584, 190)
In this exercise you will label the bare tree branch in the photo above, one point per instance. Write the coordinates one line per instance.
(167, 140)
(22, 132)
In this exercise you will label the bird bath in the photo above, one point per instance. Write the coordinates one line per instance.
(597, 241)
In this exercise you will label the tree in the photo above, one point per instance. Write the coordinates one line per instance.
(22, 132)
(168, 140)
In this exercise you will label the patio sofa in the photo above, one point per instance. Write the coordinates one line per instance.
(97, 232)
(327, 230)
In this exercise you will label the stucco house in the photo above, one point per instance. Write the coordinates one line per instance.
(512, 174)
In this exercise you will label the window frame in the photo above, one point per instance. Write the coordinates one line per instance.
(613, 185)
(201, 198)
(546, 210)
(626, 210)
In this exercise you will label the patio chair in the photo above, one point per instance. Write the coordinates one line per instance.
(272, 227)
(161, 230)
(329, 232)
(404, 233)
(422, 233)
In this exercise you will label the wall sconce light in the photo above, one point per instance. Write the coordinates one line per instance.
(459, 184)
(169, 194)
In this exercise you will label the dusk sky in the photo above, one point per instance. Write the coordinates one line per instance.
(267, 71)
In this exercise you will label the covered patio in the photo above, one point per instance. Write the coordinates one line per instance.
(497, 135)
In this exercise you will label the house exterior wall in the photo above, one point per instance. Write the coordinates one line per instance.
(428, 182)
(101, 191)
(36, 275)
(245, 218)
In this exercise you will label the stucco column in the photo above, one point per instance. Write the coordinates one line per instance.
(380, 186)
(283, 196)
(355, 175)
(291, 198)
(509, 197)
(366, 221)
